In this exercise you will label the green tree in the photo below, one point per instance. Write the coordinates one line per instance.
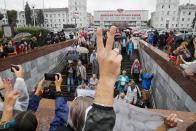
(28, 14)
(194, 21)
(12, 17)
(40, 17)
(1, 16)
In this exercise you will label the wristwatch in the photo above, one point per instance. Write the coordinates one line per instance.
(8, 125)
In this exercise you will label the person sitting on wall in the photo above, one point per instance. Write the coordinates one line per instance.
(182, 53)
(9, 49)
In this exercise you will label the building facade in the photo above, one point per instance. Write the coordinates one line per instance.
(78, 12)
(166, 14)
(170, 15)
(186, 15)
(54, 18)
(131, 18)
(4, 21)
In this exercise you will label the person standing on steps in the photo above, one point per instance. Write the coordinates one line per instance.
(93, 82)
(124, 44)
(70, 76)
(80, 72)
(146, 85)
(135, 70)
(93, 61)
(133, 93)
(123, 81)
(130, 48)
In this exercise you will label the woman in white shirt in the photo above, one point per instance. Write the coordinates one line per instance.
(132, 93)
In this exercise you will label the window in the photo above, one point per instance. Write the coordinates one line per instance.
(63, 20)
(182, 19)
(46, 15)
(162, 6)
(172, 25)
(50, 15)
(187, 25)
(189, 13)
(169, 6)
(188, 19)
(176, 25)
(51, 25)
(47, 25)
(59, 15)
(174, 12)
(161, 18)
(168, 13)
(54, 15)
(173, 18)
(184, 12)
(162, 12)
(182, 25)
(59, 20)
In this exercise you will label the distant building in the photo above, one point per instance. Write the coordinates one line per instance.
(4, 21)
(166, 14)
(78, 12)
(186, 15)
(90, 19)
(54, 18)
(132, 18)
(170, 15)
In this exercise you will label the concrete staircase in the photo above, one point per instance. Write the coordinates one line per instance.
(49, 92)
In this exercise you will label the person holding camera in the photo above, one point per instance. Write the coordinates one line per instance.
(22, 101)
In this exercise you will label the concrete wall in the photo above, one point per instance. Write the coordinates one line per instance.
(166, 93)
(35, 69)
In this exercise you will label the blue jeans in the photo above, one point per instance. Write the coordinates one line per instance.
(70, 83)
(130, 52)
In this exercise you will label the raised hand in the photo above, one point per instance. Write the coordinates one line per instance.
(40, 87)
(171, 121)
(20, 73)
(58, 82)
(109, 59)
(109, 67)
(10, 94)
(1, 84)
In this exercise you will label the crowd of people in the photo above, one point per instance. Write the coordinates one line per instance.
(22, 46)
(181, 50)
(84, 113)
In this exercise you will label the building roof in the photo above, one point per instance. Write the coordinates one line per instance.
(52, 9)
(188, 6)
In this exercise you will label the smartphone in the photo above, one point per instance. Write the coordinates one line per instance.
(14, 66)
(50, 77)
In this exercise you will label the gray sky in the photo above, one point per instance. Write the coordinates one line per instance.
(92, 4)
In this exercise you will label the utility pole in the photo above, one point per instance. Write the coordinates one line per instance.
(33, 15)
(6, 17)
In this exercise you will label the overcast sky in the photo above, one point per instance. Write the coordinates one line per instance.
(92, 4)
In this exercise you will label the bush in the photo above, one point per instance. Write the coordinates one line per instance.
(33, 31)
